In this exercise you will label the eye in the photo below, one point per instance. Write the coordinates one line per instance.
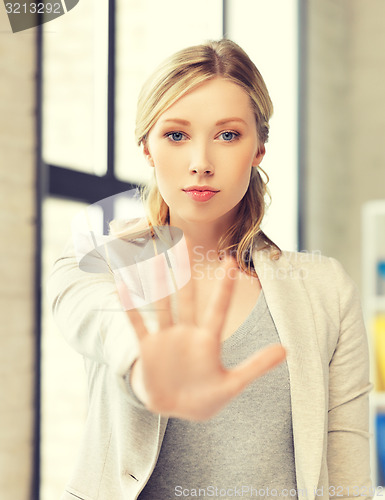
(175, 136)
(229, 136)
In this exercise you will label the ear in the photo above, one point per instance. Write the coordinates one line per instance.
(147, 154)
(259, 156)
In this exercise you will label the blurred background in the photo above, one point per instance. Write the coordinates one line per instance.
(67, 112)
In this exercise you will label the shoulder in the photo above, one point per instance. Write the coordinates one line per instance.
(302, 264)
(323, 276)
(298, 264)
(315, 271)
(314, 263)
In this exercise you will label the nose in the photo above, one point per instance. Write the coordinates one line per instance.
(200, 163)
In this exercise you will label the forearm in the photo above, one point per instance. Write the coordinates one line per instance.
(87, 309)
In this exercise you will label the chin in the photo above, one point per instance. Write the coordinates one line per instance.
(204, 216)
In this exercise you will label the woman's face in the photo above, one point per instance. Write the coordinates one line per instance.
(207, 138)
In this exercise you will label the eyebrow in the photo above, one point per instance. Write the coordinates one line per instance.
(220, 122)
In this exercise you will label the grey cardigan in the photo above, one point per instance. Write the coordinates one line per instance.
(316, 308)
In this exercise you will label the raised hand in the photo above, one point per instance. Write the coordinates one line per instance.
(179, 372)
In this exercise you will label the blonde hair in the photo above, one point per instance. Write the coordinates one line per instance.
(181, 73)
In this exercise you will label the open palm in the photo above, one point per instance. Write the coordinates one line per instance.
(179, 372)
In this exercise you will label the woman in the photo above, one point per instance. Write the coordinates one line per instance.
(186, 411)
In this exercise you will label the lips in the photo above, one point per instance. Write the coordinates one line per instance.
(201, 188)
(196, 195)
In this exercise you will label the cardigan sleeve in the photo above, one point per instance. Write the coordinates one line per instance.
(87, 310)
(349, 386)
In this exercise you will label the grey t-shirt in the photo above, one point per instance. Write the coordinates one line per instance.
(246, 450)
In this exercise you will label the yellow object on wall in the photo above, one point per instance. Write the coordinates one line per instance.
(379, 344)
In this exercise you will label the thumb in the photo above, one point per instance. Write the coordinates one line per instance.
(252, 368)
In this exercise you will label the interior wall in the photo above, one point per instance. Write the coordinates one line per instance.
(17, 212)
(367, 108)
(345, 159)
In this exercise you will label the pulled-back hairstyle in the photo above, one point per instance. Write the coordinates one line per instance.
(178, 75)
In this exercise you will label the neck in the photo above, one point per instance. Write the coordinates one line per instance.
(202, 239)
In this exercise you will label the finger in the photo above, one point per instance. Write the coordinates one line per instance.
(216, 312)
(133, 314)
(186, 303)
(250, 369)
(163, 305)
(138, 324)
